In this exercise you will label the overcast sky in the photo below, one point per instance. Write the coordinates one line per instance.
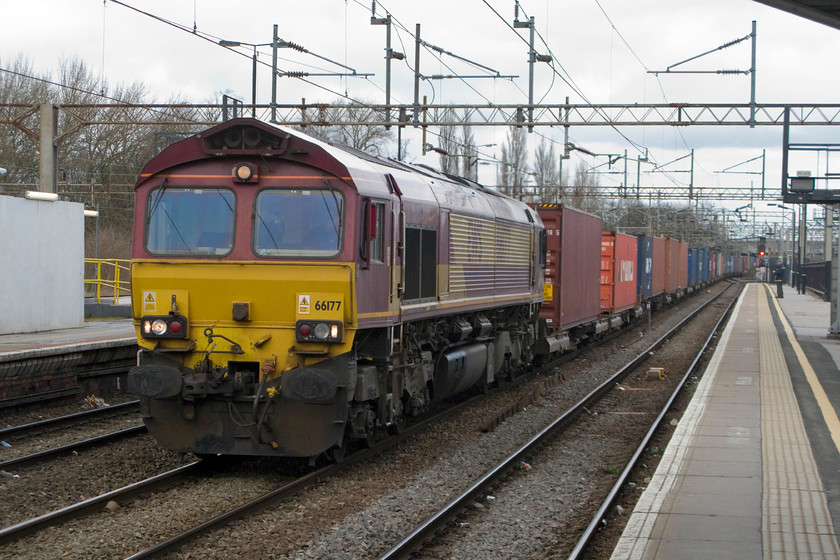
(589, 38)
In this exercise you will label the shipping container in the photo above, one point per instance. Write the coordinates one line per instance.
(571, 292)
(672, 265)
(713, 272)
(704, 266)
(682, 265)
(644, 267)
(619, 252)
(693, 255)
(658, 282)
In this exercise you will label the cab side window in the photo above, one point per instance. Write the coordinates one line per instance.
(377, 243)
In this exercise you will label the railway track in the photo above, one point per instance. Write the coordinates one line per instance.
(177, 476)
(33, 442)
(283, 493)
(86, 507)
(70, 448)
(74, 418)
(455, 514)
(589, 534)
(247, 509)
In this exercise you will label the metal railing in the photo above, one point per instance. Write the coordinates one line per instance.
(111, 276)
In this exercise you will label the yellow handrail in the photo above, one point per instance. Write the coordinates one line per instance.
(108, 275)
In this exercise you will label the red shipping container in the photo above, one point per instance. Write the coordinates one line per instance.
(683, 265)
(619, 252)
(672, 265)
(713, 271)
(658, 281)
(571, 292)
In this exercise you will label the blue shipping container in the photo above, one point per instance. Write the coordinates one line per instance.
(692, 269)
(704, 265)
(644, 267)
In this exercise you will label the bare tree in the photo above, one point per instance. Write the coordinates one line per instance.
(584, 193)
(17, 146)
(448, 145)
(547, 172)
(469, 160)
(344, 128)
(513, 169)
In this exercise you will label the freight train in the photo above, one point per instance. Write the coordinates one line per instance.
(291, 296)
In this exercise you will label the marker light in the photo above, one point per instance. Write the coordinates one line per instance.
(318, 331)
(245, 173)
(164, 326)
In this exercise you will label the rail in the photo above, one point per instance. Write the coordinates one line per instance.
(113, 275)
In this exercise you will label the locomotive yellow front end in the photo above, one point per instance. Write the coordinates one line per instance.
(243, 298)
(243, 358)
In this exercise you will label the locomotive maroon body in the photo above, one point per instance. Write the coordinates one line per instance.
(290, 295)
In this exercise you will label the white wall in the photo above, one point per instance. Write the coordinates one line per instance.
(41, 265)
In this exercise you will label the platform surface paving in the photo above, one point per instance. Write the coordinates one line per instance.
(738, 479)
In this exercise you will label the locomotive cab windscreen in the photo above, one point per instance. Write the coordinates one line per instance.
(190, 221)
(298, 222)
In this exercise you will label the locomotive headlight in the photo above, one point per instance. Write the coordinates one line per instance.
(159, 327)
(322, 330)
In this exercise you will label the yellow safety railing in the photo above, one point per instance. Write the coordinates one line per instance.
(112, 276)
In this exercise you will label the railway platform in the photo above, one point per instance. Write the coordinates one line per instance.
(753, 468)
(63, 362)
(94, 334)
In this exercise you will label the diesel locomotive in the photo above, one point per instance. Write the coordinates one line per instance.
(290, 296)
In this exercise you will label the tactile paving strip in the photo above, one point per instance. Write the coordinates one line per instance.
(795, 518)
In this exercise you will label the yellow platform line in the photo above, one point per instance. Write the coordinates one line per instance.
(796, 522)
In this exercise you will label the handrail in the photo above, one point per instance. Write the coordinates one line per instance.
(117, 268)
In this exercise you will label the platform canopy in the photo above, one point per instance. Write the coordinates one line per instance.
(826, 12)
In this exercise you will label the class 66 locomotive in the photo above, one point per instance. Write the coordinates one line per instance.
(292, 296)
